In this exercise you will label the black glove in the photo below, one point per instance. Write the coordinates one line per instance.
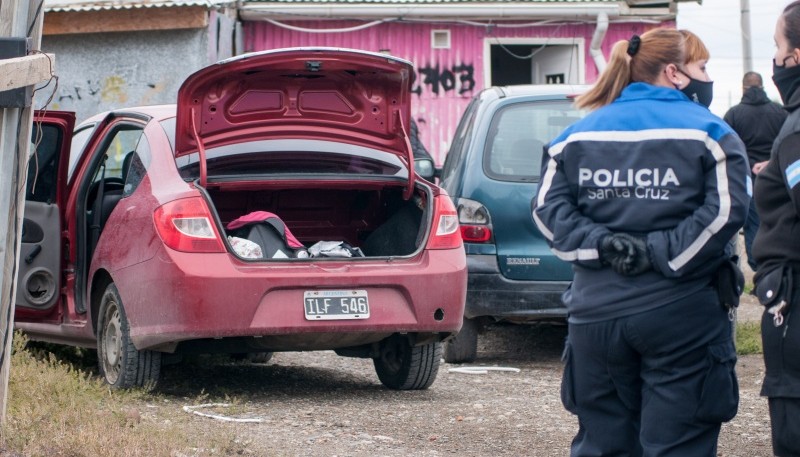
(613, 251)
(626, 254)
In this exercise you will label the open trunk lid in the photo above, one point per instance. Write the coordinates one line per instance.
(329, 94)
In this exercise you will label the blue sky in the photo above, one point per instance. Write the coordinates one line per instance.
(718, 24)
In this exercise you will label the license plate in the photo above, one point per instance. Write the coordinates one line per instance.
(335, 304)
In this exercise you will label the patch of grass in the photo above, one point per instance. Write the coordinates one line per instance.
(56, 408)
(748, 338)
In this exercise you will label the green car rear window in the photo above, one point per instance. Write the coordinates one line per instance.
(518, 134)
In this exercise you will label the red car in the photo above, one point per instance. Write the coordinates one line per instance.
(129, 243)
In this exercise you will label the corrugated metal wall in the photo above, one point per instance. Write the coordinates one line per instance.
(445, 78)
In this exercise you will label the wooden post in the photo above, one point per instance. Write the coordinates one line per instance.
(16, 18)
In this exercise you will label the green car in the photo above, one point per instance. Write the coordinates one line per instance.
(492, 172)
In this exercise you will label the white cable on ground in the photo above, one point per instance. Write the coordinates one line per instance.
(191, 410)
(481, 370)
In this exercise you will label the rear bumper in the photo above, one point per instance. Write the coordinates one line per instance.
(178, 297)
(489, 293)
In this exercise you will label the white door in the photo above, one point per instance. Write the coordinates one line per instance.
(556, 64)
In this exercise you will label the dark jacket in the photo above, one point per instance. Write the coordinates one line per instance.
(655, 164)
(757, 120)
(777, 197)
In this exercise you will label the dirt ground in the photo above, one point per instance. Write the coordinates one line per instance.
(320, 404)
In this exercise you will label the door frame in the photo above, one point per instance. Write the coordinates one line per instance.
(580, 42)
(53, 245)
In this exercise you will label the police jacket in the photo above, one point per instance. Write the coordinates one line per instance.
(777, 243)
(777, 197)
(653, 164)
(757, 120)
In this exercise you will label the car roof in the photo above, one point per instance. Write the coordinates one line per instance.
(540, 90)
(157, 112)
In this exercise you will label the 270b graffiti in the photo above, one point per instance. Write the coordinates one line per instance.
(459, 77)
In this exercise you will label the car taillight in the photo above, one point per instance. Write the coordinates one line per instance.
(475, 233)
(476, 224)
(185, 225)
(445, 225)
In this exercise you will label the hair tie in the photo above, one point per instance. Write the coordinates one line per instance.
(633, 45)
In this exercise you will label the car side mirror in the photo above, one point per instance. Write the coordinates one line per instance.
(425, 168)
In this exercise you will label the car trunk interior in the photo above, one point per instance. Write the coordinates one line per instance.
(377, 220)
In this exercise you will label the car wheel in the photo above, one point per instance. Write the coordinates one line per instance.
(463, 347)
(122, 365)
(404, 367)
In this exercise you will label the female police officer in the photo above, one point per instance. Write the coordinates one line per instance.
(776, 247)
(642, 196)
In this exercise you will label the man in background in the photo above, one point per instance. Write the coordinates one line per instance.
(757, 120)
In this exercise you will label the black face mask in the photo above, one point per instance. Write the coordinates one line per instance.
(786, 79)
(701, 92)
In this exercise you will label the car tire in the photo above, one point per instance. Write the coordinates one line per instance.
(401, 366)
(463, 347)
(121, 364)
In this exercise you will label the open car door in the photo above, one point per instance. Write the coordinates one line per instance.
(39, 278)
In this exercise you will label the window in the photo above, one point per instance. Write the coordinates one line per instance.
(518, 134)
(137, 166)
(461, 141)
(280, 158)
(79, 140)
(123, 141)
(42, 182)
(440, 39)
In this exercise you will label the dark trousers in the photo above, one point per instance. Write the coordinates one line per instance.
(783, 415)
(750, 229)
(782, 381)
(658, 383)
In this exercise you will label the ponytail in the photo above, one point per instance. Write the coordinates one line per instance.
(612, 81)
(640, 59)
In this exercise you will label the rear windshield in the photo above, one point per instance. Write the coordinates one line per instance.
(290, 158)
(518, 134)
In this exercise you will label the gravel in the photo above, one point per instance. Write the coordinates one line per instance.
(317, 403)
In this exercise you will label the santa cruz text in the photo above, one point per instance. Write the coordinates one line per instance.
(643, 183)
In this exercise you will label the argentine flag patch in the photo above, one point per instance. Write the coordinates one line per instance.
(749, 186)
(793, 174)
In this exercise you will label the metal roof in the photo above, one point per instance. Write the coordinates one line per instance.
(436, 1)
(645, 3)
(100, 5)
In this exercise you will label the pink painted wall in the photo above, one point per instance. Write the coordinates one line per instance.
(446, 79)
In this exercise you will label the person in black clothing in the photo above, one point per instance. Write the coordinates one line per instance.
(757, 120)
(777, 246)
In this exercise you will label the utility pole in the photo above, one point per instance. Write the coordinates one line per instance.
(747, 49)
(18, 19)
